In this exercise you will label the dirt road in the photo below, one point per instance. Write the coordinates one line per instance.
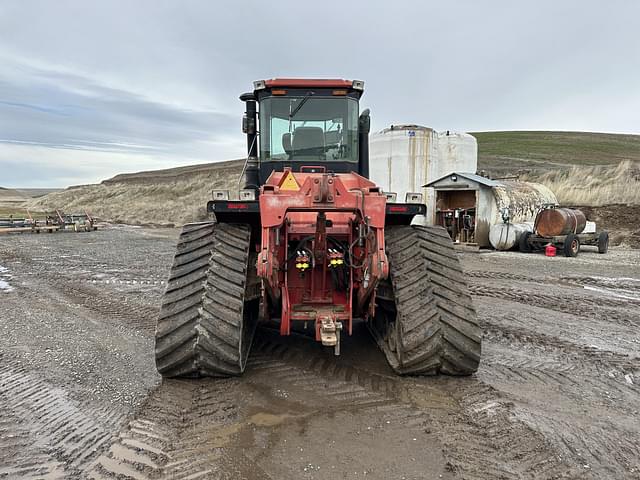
(557, 394)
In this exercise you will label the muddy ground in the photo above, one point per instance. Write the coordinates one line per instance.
(557, 394)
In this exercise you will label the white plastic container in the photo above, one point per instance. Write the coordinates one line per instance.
(505, 236)
(403, 158)
(590, 227)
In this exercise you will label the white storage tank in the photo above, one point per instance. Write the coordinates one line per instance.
(505, 236)
(403, 158)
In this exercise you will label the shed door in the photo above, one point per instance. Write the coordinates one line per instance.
(456, 211)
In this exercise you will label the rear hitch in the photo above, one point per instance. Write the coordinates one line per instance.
(330, 333)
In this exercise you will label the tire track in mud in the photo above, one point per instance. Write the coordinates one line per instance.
(20, 454)
(182, 433)
(196, 429)
(605, 282)
(538, 298)
(477, 428)
(582, 398)
(553, 353)
(602, 308)
(587, 416)
(126, 310)
(45, 433)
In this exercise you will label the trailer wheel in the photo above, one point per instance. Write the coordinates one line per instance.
(603, 242)
(571, 245)
(210, 308)
(425, 322)
(523, 243)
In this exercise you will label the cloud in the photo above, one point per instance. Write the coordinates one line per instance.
(134, 85)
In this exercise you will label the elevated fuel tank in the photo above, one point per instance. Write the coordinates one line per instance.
(551, 222)
(403, 158)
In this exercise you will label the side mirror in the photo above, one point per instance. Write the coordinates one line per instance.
(365, 121)
(248, 125)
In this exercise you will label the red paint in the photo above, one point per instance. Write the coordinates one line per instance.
(237, 206)
(327, 208)
(398, 208)
(308, 83)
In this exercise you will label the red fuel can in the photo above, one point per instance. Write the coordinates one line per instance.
(550, 250)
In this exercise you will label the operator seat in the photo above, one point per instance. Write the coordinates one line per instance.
(308, 142)
(286, 144)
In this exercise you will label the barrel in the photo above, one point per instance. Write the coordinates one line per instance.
(505, 236)
(551, 222)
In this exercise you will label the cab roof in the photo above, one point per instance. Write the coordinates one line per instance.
(309, 83)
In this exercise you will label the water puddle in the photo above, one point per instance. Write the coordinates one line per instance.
(617, 293)
(5, 276)
(264, 419)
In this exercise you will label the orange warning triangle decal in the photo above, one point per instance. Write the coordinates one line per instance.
(289, 182)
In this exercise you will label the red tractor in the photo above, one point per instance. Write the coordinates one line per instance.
(310, 242)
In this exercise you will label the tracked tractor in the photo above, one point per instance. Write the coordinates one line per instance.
(309, 242)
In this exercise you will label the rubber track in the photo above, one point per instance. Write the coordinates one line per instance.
(436, 326)
(201, 325)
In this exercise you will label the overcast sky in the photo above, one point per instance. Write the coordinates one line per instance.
(93, 88)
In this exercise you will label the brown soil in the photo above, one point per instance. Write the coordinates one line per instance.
(621, 221)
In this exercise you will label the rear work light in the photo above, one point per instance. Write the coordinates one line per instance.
(247, 195)
(220, 194)
(391, 197)
(413, 198)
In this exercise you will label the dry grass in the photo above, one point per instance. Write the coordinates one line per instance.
(175, 200)
(594, 185)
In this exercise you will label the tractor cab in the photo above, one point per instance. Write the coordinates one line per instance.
(304, 122)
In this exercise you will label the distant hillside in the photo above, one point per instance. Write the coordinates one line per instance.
(155, 176)
(160, 197)
(586, 169)
(37, 192)
(535, 152)
(9, 194)
(11, 202)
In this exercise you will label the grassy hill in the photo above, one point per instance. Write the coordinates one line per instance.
(508, 152)
(582, 168)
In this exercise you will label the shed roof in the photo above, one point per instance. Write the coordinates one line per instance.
(469, 176)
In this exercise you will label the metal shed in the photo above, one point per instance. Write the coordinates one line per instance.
(467, 204)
